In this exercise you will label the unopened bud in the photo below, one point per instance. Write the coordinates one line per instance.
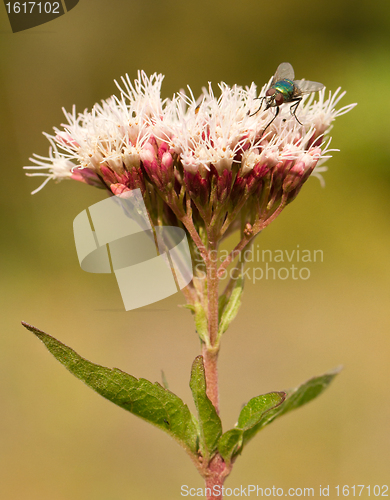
(108, 175)
(147, 154)
(119, 189)
(248, 231)
(167, 160)
(299, 172)
(163, 148)
(88, 176)
(294, 177)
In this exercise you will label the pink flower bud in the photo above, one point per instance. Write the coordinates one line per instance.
(163, 148)
(108, 175)
(88, 176)
(119, 189)
(167, 160)
(147, 155)
(299, 173)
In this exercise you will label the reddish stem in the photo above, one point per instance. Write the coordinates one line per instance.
(212, 292)
(210, 359)
(217, 472)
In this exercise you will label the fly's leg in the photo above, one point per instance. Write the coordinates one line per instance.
(259, 108)
(276, 114)
(295, 106)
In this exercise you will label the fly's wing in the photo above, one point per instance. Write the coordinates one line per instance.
(285, 70)
(306, 86)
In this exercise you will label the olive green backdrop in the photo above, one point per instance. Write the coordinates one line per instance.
(58, 439)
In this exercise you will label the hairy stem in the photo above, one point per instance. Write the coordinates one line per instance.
(217, 473)
(210, 354)
(210, 360)
(212, 292)
(189, 225)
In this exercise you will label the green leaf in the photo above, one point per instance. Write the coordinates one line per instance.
(149, 401)
(231, 441)
(201, 323)
(229, 308)
(222, 301)
(262, 410)
(255, 409)
(295, 398)
(209, 422)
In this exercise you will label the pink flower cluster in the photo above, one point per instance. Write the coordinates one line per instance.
(209, 153)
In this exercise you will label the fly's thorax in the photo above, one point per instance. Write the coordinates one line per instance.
(286, 88)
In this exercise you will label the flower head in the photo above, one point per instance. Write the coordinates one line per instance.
(206, 156)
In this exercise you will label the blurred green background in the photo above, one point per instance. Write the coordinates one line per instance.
(58, 439)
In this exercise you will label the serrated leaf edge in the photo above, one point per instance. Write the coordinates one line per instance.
(41, 334)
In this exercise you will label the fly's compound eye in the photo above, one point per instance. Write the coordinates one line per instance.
(270, 92)
(279, 99)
